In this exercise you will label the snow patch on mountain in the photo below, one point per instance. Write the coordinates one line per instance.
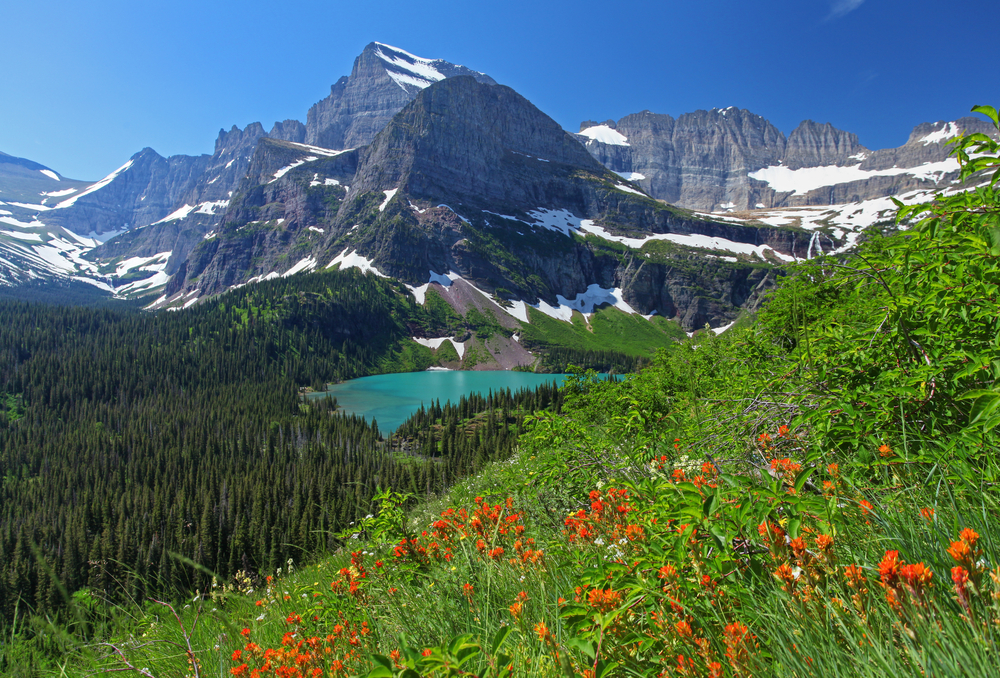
(325, 182)
(288, 168)
(153, 263)
(59, 194)
(317, 150)
(50, 174)
(800, 181)
(563, 221)
(585, 302)
(211, 207)
(69, 202)
(436, 343)
(177, 214)
(30, 206)
(694, 240)
(631, 176)
(605, 135)
(629, 189)
(388, 196)
(354, 260)
(947, 131)
(307, 264)
(416, 71)
(20, 235)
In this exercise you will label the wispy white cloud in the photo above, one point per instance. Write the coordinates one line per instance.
(841, 7)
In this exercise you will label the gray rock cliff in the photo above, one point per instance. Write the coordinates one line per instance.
(383, 80)
(703, 160)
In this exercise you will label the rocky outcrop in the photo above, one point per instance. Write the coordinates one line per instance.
(288, 130)
(700, 160)
(816, 145)
(704, 160)
(383, 80)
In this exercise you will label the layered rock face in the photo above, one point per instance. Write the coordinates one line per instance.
(473, 181)
(731, 159)
(383, 80)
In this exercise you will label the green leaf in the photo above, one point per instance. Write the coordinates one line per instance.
(720, 534)
(503, 661)
(989, 112)
(803, 477)
(382, 660)
(603, 668)
(711, 504)
(499, 638)
(584, 646)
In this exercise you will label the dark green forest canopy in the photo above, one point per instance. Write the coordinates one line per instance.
(127, 437)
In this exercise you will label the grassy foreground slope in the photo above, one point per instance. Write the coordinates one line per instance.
(813, 495)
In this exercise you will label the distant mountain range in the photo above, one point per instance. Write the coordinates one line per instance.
(731, 159)
(432, 173)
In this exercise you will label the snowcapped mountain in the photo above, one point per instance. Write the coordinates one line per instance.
(432, 174)
(185, 196)
(473, 192)
(383, 80)
(732, 159)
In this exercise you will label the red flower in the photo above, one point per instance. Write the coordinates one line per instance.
(888, 568)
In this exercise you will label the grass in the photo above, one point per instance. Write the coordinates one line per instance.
(608, 328)
(493, 575)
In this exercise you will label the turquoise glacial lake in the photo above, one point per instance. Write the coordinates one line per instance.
(391, 398)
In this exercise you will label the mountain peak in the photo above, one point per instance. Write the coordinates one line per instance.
(462, 139)
(383, 80)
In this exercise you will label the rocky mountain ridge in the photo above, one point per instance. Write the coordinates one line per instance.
(470, 184)
(732, 159)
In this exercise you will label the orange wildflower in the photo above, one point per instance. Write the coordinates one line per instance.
(917, 578)
(542, 631)
(969, 536)
(786, 576)
(961, 552)
(888, 568)
(856, 580)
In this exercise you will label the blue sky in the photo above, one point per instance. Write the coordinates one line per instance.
(86, 85)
